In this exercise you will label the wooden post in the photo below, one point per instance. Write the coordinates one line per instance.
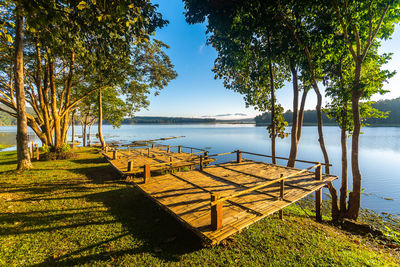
(148, 152)
(238, 156)
(152, 145)
(106, 149)
(146, 173)
(201, 163)
(31, 149)
(191, 150)
(216, 213)
(130, 166)
(318, 195)
(114, 154)
(170, 164)
(168, 149)
(37, 151)
(281, 194)
(179, 149)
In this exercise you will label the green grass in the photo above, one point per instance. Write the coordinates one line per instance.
(75, 212)
(2, 146)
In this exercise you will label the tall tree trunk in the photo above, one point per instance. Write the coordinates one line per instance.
(355, 195)
(100, 124)
(293, 147)
(320, 132)
(343, 141)
(85, 122)
(301, 115)
(273, 131)
(23, 159)
(56, 116)
(88, 137)
(73, 129)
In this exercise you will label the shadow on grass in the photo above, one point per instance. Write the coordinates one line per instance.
(161, 235)
(98, 171)
(8, 163)
(155, 233)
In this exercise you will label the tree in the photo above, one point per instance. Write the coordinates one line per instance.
(301, 19)
(362, 24)
(340, 73)
(23, 158)
(147, 69)
(64, 39)
(13, 24)
(250, 50)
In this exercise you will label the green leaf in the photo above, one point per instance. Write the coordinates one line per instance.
(82, 5)
(9, 38)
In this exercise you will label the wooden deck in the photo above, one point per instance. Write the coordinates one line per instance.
(220, 200)
(158, 158)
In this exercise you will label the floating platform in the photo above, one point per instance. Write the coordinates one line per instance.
(217, 201)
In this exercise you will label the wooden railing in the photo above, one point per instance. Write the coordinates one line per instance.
(200, 160)
(216, 201)
(268, 156)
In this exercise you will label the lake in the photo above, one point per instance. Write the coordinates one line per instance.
(379, 150)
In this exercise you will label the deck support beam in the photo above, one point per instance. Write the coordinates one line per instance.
(146, 173)
(201, 163)
(216, 213)
(318, 195)
(130, 166)
(238, 156)
(179, 149)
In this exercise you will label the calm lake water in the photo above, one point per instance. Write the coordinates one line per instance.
(379, 151)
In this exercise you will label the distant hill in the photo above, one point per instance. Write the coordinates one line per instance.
(310, 116)
(7, 120)
(238, 121)
(181, 120)
(165, 120)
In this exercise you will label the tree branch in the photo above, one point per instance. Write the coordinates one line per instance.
(346, 36)
(78, 100)
(375, 33)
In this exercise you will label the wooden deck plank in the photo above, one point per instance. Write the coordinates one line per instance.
(186, 194)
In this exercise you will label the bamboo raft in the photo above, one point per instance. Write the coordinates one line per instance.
(216, 201)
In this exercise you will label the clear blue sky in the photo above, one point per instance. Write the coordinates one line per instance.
(195, 93)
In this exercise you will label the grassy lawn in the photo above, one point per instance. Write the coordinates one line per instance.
(75, 212)
(2, 146)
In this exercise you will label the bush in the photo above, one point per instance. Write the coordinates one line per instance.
(65, 148)
(57, 155)
(45, 148)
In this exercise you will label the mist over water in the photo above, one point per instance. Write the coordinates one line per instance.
(379, 153)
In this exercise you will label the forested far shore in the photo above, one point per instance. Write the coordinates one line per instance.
(391, 106)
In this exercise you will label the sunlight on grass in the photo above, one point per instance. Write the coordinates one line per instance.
(77, 212)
